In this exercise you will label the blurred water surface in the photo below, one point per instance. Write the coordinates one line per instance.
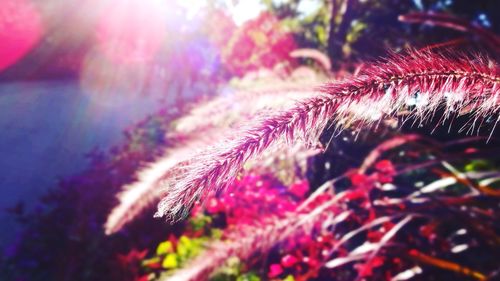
(47, 128)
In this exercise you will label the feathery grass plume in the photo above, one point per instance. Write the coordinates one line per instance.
(212, 119)
(314, 54)
(227, 110)
(216, 166)
(138, 196)
(422, 79)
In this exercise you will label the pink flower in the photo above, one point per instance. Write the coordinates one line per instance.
(214, 206)
(274, 270)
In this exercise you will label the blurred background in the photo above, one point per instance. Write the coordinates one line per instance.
(88, 90)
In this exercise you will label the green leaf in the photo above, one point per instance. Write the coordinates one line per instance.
(164, 248)
(184, 247)
(289, 278)
(170, 261)
(216, 233)
(356, 30)
(477, 165)
(200, 222)
(248, 277)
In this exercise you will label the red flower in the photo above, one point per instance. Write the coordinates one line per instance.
(374, 236)
(428, 231)
(366, 269)
(289, 261)
(310, 261)
(385, 166)
(299, 188)
(259, 43)
(132, 257)
(385, 171)
(355, 194)
(359, 179)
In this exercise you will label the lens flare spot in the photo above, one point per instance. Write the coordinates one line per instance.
(20, 29)
(132, 30)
